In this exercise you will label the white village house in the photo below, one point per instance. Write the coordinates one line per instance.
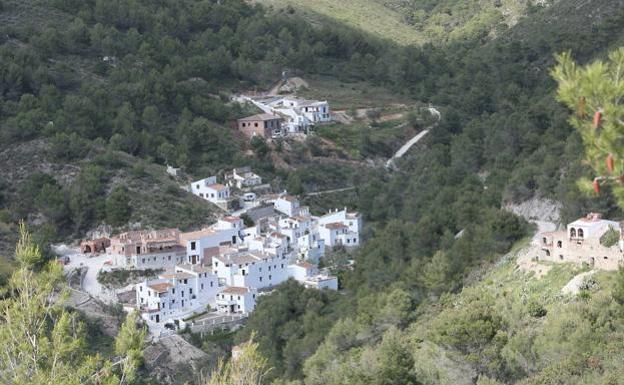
(175, 295)
(340, 228)
(209, 189)
(243, 178)
(299, 115)
(236, 299)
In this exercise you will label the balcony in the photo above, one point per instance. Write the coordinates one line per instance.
(225, 302)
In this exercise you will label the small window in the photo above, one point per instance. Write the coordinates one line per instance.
(193, 245)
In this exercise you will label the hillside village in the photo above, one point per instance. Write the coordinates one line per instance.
(283, 116)
(224, 268)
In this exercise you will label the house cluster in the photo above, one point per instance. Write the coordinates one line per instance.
(283, 116)
(241, 179)
(591, 241)
(226, 266)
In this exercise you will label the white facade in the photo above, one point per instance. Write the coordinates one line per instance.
(321, 282)
(229, 223)
(302, 231)
(210, 190)
(176, 295)
(152, 260)
(243, 178)
(287, 204)
(250, 269)
(590, 226)
(340, 228)
(308, 275)
(236, 299)
(202, 245)
(299, 114)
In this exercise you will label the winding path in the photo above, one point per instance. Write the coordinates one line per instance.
(415, 139)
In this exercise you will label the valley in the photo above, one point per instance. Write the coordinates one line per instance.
(190, 160)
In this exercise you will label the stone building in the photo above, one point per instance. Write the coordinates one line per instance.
(582, 243)
(266, 126)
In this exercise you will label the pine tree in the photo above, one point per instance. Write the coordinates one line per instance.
(596, 95)
(249, 367)
(41, 342)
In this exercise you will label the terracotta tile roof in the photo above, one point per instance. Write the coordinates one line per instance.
(259, 117)
(197, 234)
(289, 198)
(217, 186)
(231, 219)
(160, 287)
(305, 265)
(238, 259)
(335, 225)
(178, 275)
(235, 290)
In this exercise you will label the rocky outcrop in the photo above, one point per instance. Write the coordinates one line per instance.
(536, 209)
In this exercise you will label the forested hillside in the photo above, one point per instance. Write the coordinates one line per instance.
(417, 21)
(101, 94)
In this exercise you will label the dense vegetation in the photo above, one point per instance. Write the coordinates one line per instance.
(415, 21)
(151, 80)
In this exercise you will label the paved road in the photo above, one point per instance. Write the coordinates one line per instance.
(311, 194)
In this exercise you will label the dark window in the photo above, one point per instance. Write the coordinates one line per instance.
(192, 245)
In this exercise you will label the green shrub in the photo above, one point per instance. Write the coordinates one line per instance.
(536, 310)
(610, 237)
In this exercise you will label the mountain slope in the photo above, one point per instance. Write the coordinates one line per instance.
(414, 21)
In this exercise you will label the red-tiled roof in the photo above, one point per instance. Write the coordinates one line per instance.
(305, 265)
(335, 225)
(217, 186)
(160, 287)
(259, 117)
(235, 290)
